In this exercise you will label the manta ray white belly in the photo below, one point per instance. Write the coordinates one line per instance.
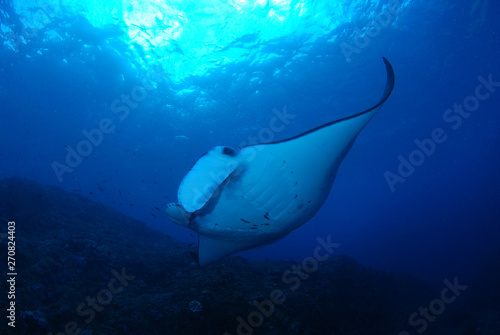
(238, 199)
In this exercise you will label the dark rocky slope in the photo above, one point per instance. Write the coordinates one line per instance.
(86, 269)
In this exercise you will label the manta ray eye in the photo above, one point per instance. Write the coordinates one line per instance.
(229, 151)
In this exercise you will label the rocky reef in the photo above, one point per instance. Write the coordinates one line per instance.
(86, 269)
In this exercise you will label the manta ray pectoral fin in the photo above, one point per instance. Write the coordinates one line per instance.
(345, 130)
(367, 115)
(206, 175)
(210, 249)
(351, 126)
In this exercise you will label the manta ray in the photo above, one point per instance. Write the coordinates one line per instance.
(242, 198)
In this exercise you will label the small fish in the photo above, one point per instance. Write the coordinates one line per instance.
(153, 215)
(157, 208)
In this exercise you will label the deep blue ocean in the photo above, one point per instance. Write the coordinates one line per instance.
(159, 83)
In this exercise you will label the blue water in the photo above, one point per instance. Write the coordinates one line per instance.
(165, 82)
